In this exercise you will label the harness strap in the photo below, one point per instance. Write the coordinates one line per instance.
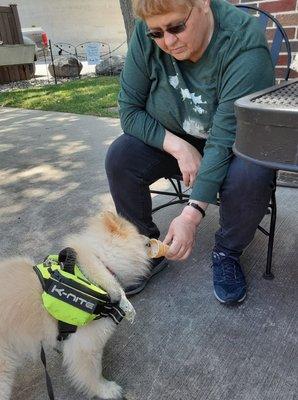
(65, 330)
(40, 277)
(48, 378)
(107, 310)
(110, 310)
(68, 257)
(63, 280)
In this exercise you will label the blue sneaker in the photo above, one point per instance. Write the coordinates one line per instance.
(157, 265)
(228, 279)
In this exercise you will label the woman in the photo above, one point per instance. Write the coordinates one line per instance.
(188, 61)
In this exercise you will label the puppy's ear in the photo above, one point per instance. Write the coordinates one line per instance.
(112, 223)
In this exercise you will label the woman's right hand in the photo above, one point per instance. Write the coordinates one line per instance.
(187, 156)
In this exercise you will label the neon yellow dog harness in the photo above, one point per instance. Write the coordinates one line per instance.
(70, 297)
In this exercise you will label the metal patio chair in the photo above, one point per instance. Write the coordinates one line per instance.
(278, 41)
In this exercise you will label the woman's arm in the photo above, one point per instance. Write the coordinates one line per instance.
(135, 89)
(249, 72)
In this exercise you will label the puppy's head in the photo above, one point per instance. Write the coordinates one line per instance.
(121, 246)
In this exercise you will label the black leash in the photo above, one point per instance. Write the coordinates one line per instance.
(48, 379)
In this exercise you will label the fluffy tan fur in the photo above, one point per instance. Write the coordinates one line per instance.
(110, 246)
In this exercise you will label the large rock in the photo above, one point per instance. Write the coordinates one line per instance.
(110, 66)
(66, 67)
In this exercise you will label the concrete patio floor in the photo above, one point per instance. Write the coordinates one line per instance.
(184, 344)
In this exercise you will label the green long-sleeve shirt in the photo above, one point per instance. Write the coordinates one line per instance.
(159, 92)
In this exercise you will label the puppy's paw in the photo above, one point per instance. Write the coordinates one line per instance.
(109, 390)
(128, 308)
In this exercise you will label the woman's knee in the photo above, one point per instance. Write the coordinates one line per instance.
(247, 176)
(120, 155)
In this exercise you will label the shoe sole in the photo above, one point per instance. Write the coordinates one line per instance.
(229, 301)
(142, 285)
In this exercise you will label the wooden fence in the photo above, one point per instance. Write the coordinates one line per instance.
(10, 33)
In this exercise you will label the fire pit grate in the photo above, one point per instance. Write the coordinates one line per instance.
(286, 97)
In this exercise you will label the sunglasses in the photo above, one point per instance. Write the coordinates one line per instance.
(173, 30)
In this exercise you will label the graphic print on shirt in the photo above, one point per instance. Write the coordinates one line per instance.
(195, 128)
(197, 100)
(194, 123)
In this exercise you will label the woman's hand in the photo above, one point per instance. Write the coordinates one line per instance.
(187, 156)
(182, 233)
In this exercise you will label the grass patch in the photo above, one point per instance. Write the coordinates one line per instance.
(92, 96)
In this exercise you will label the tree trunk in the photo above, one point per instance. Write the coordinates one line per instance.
(128, 17)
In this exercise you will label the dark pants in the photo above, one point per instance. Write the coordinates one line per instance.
(132, 166)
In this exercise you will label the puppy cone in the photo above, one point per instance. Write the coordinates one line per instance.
(157, 249)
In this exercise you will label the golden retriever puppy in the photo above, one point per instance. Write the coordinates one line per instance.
(112, 254)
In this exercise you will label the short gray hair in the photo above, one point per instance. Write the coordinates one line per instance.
(148, 8)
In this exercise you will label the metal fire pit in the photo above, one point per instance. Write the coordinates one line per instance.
(267, 127)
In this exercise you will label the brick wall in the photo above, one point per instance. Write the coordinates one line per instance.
(286, 12)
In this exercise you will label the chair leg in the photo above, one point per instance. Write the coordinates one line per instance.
(268, 274)
(182, 197)
(179, 190)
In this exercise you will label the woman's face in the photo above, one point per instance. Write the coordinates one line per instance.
(191, 43)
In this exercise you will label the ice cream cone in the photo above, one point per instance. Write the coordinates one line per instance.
(157, 249)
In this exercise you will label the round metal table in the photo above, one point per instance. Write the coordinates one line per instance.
(267, 127)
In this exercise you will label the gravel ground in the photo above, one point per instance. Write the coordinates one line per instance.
(43, 77)
(37, 82)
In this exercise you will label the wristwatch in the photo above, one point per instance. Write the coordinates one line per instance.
(197, 207)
